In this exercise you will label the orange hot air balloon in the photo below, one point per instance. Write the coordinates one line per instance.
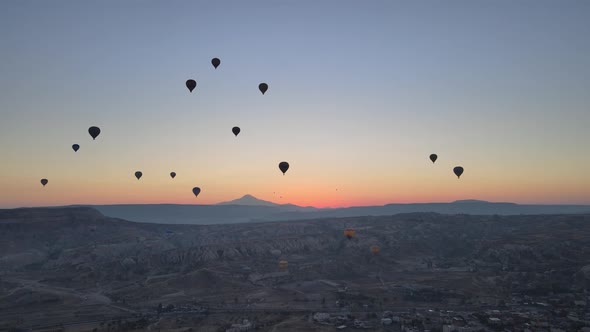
(283, 265)
(349, 233)
(375, 250)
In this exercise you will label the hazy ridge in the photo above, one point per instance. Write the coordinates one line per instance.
(251, 209)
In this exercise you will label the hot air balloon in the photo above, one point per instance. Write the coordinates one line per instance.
(138, 174)
(44, 182)
(173, 174)
(191, 85)
(235, 130)
(263, 87)
(433, 157)
(349, 233)
(94, 132)
(283, 265)
(75, 147)
(196, 191)
(215, 62)
(283, 166)
(458, 171)
(375, 250)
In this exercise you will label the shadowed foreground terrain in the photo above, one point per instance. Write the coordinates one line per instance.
(74, 269)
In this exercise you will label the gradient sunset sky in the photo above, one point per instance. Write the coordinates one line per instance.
(361, 93)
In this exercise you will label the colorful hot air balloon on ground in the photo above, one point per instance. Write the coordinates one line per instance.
(215, 62)
(75, 147)
(191, 85)
(173, 174)
(349, 233)
(375, 249)
(235, 130)
(138, 175)
(283, 265)
(284, 166)
(196, 191)
(263, 87)
(433, 157)
(44, 182)
(94, 132)
(458, 171)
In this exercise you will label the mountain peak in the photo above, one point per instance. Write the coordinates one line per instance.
(466, 201)
(249, 200)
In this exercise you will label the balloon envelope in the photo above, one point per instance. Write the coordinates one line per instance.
(283, 166)
(196, 191)
(263, 87)
(215, 62)
(173, 174)
(283, 265)
(235, 130)
(44, 182)
(433, 157)
(458, 171)
(191, 85)
(375, 250)
(138, 174)
(75, 147)
(349, 233)
(94, 132)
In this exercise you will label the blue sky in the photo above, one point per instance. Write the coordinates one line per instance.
(361, 92)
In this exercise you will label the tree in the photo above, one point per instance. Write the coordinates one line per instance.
(159, 308)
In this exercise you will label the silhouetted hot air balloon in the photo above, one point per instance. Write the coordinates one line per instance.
(138, 174)
(263, 87)
(349, 233)
(375, 250)
(44, 182)
(283, 265)
(173, 174)
(94, 132)
(458, 171)
(191, 85)
(235, 130)
(75, 147)
(196, 191)
(433, 157)
(283, 166)
(215, 62)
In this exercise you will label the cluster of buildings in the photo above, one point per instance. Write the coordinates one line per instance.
(536, 317)
(245, 325)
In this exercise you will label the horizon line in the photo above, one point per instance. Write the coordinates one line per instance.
(283, 204)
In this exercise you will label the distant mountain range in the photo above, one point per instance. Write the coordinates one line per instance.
(251, 209)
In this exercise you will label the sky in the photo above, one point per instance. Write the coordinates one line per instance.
(360, 94)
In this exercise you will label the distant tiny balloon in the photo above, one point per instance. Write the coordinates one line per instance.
(283, 265)
(375, 250)
(173, 174)
(263, 87)
(349, 233)
(75, 147)
(458, 171)
(191, 85)
(433, 157)
(44, 182)
(283, 166)
(138, 175)
(196, 191)
(235, 130)
(215, 62)
(94, 132)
